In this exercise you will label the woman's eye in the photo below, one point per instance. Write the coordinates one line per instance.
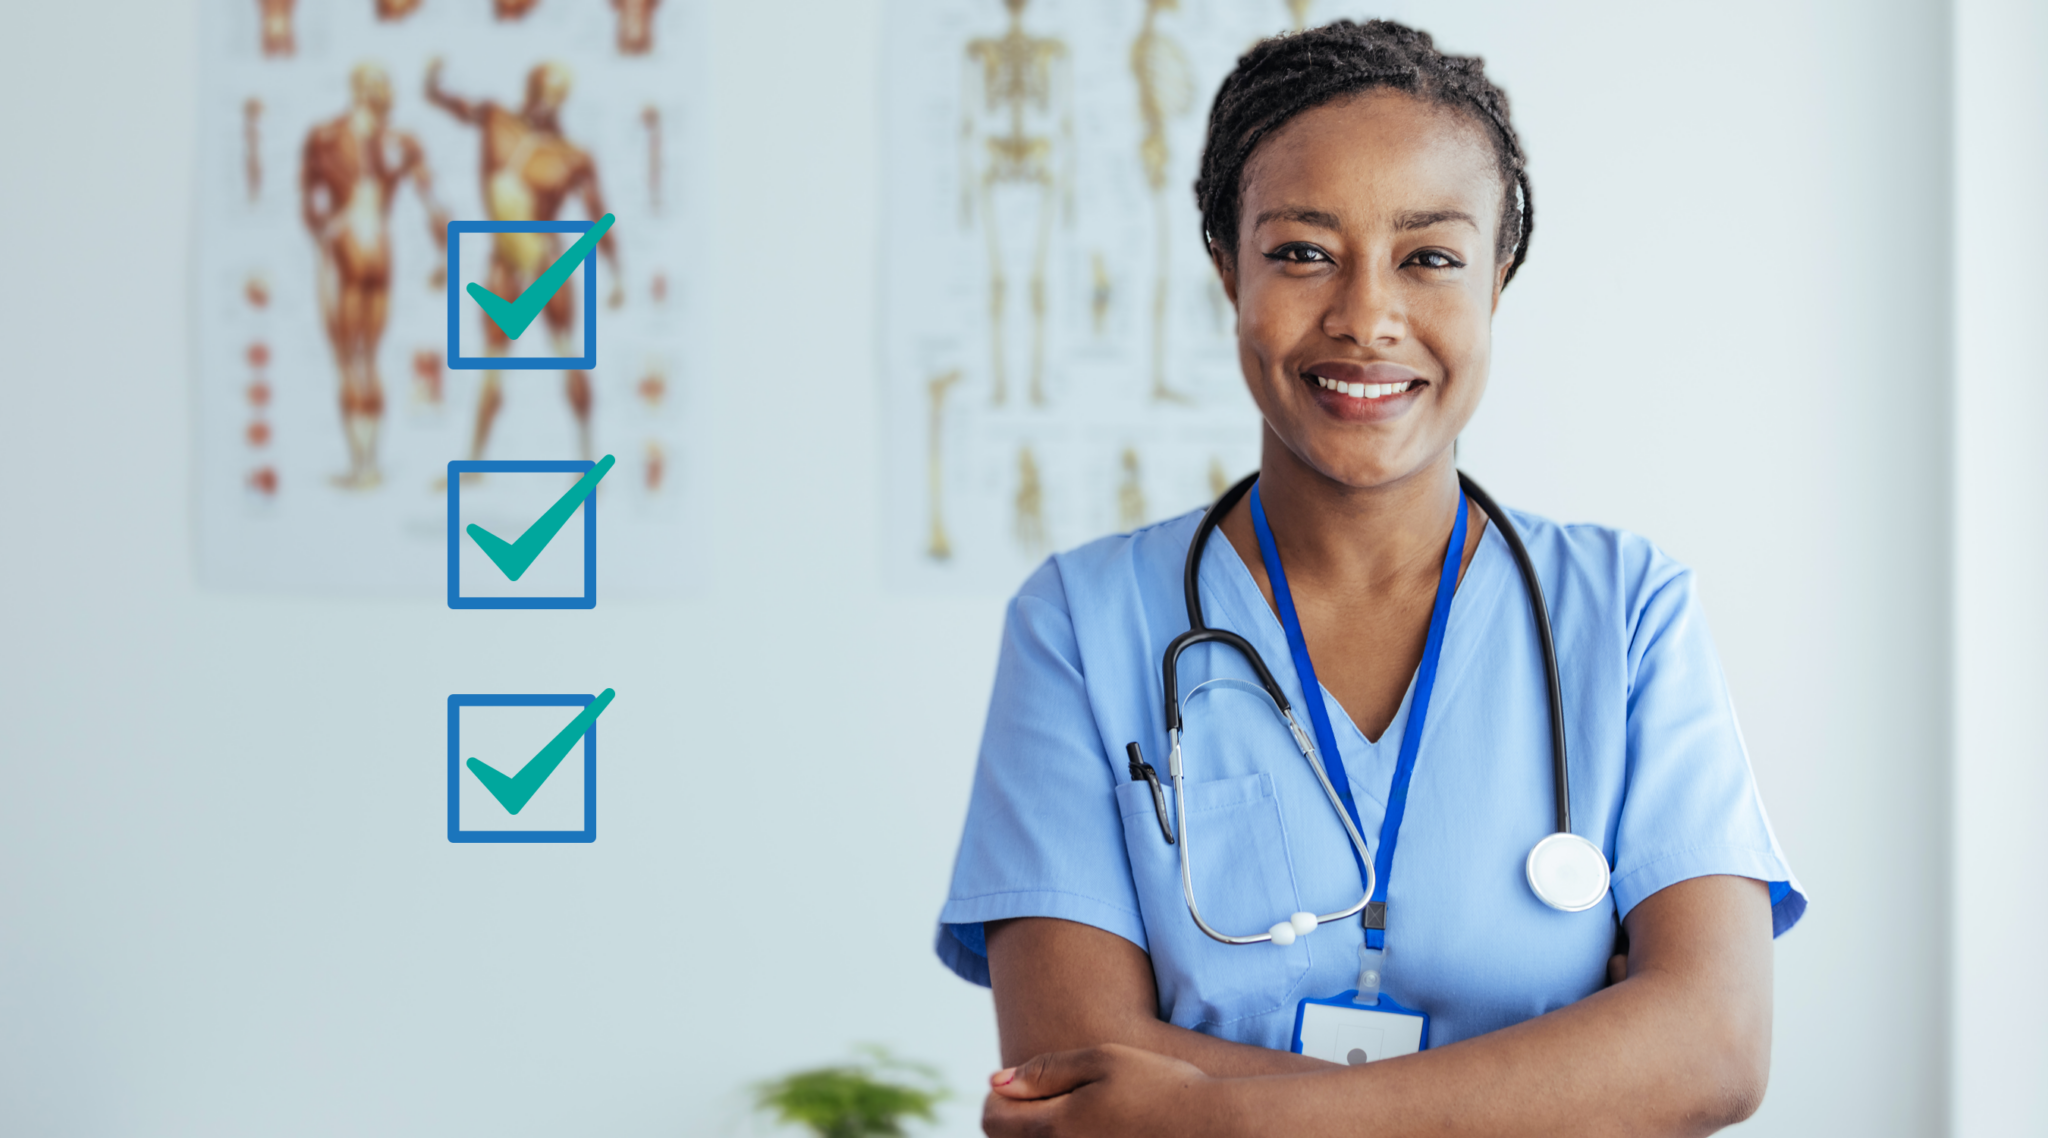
(1435, 259)
(1298, 253)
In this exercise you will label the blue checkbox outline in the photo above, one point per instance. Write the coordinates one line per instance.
(455, 769)
(459, 362)
(456, 470)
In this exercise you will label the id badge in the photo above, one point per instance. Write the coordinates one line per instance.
(1364, 1025)
(1341, 1030)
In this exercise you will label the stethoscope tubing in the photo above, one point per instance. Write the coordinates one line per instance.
(1180, 813)
(1560, 767)
(1200, 633)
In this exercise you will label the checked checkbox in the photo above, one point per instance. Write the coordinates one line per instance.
(523, 262)
(523, 768)
(512, 541)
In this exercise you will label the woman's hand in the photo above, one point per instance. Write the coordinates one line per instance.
(1112, 1090)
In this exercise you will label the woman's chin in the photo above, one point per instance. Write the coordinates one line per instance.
(1354, 467)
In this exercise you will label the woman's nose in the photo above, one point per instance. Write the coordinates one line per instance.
(1366, 308)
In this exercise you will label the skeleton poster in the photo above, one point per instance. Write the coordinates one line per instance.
(1059, 359)
(337, 140)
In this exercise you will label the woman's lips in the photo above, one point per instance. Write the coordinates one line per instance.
(1357, 393)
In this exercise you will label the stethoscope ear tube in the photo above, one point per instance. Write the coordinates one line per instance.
(1198, 630)
(1190, 579)
(1560, 768)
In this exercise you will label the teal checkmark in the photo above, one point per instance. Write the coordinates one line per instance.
(513, 316)
(515, 791)
(514, 558)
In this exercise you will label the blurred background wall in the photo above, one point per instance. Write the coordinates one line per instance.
(2000, 530)
(1779, 316)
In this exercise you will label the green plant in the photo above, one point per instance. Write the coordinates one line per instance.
(855, 1100)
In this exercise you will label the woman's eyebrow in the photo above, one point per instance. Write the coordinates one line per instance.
(1424, 218)
(1320, 219)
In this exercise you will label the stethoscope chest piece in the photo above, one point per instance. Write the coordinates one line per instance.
(1568, 873)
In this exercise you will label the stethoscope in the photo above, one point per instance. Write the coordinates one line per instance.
(1565, 871)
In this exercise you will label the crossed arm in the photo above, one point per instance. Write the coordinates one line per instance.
(1679, 1045)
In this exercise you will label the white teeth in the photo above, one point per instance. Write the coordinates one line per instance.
(1360, 390)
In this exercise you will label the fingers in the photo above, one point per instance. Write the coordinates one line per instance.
(1045, 1076)
(1007, 1118)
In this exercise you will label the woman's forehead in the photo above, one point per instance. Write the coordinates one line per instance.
(1382, 151)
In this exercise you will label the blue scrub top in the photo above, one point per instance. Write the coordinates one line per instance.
(1056, 828)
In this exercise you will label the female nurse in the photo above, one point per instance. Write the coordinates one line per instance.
(1365, 202)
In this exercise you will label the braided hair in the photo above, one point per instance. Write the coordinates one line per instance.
(1281, 77)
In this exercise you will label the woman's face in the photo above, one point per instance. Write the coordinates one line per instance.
(1365, 283)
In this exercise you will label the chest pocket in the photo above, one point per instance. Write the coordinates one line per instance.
(1243, 881)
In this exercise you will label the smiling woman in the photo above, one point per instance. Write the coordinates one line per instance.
(1365, 201)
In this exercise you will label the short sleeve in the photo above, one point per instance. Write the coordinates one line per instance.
(1691, 807)
(1042, 838)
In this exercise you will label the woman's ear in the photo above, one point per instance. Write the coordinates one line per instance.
(1226, 271)
(1500, 281)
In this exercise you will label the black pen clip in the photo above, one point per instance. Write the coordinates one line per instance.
(1142, 769)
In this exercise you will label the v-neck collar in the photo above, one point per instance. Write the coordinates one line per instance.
(1254, 619)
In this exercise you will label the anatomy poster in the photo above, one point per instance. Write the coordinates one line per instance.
(1059, 359)
(337, 139)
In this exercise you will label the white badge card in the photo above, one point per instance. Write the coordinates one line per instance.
(1341, 1030)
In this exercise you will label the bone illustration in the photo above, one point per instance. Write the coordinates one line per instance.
(1166, 90)
(1015, 103)
(939, 546)
(1030, 503)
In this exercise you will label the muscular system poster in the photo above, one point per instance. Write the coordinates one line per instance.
(1059, 361)
(337, 137)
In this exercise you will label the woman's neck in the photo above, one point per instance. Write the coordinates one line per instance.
(1329, 532)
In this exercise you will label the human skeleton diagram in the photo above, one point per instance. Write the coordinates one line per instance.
(1166, 89)
(349, 173)
(529, 171)
(1017, 103)
(1070, 296)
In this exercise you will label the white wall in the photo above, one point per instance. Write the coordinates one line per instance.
(226, 905)
(1734, 338)
(2000, 1061)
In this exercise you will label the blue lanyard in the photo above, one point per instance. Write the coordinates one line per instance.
(1319, 712)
